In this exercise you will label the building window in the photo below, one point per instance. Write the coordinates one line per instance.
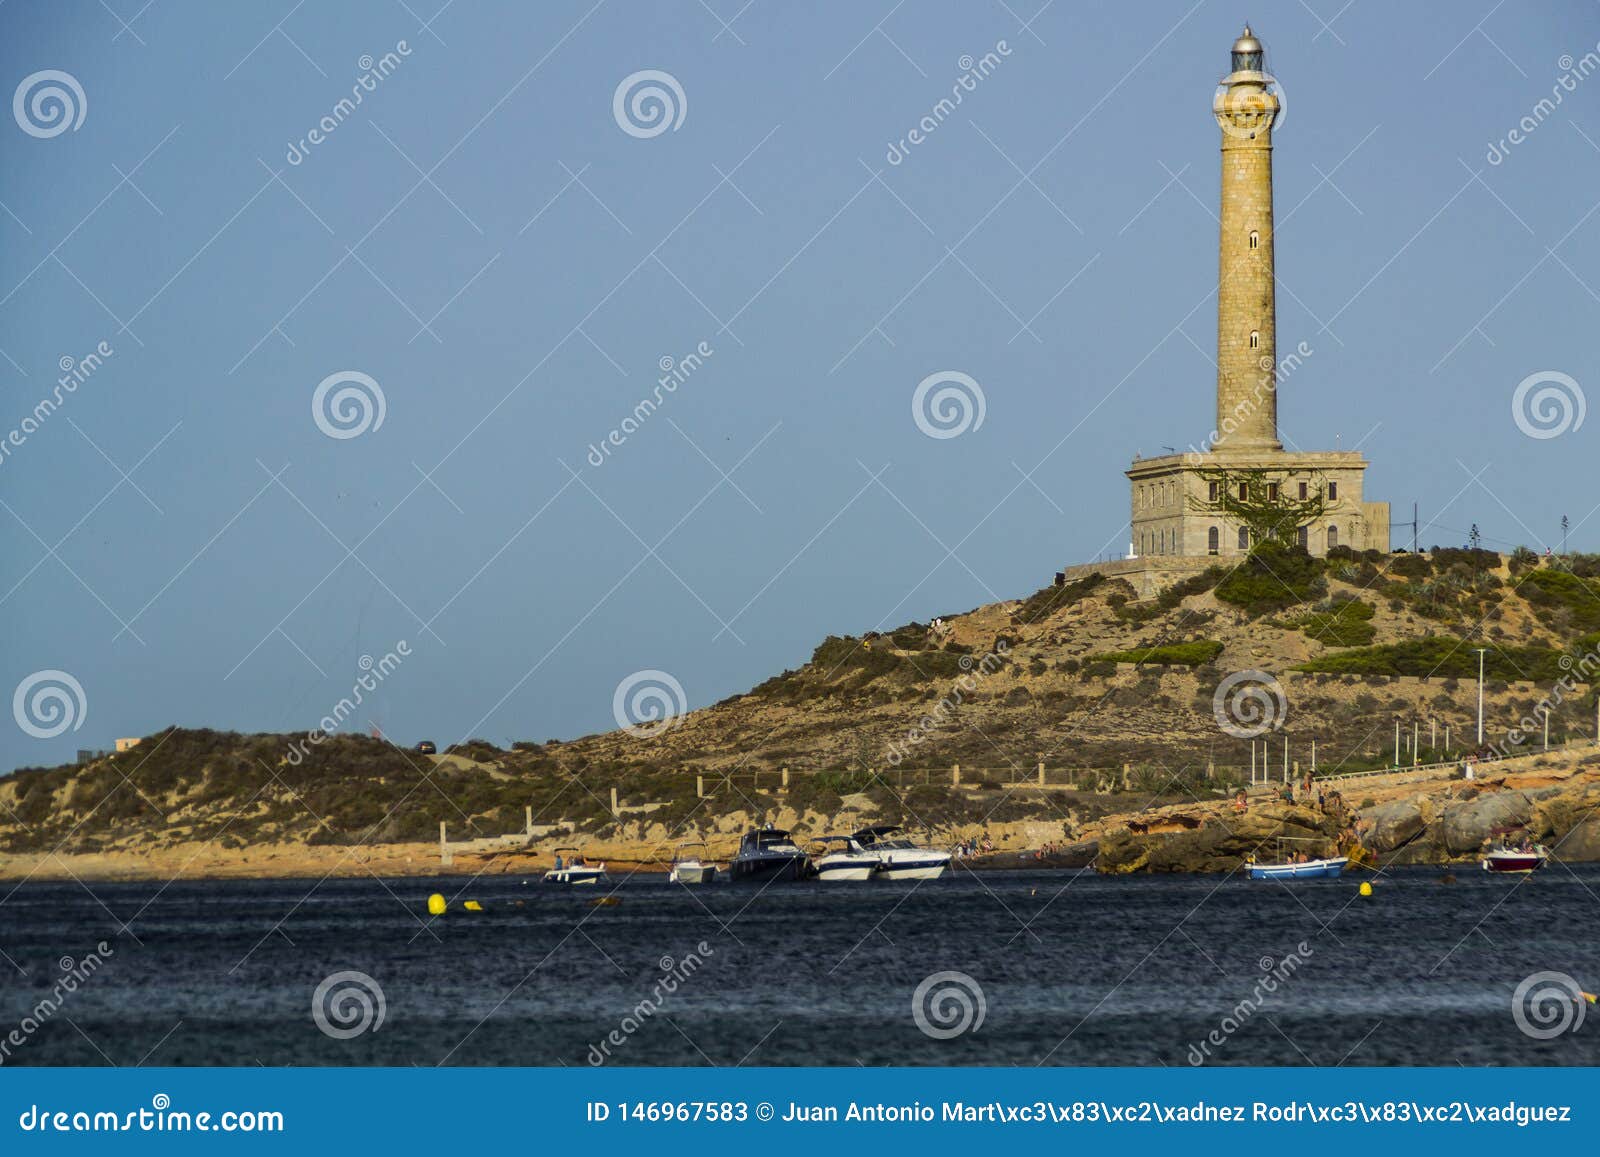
(1211, 492)
(1255, 339)
(1244, 538)
(1272, 492)
(1244, 492)
(1303, 492)
(1333, 491)
(1333, 537)
(1305, 536)
(1213, 541)
(1255, 239)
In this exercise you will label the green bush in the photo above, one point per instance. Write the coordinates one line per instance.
(1347, 623)
(1043, 603)
(1443, 657)
(1548, 589)
(1271, 578)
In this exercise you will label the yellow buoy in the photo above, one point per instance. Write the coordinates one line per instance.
(436, 905)
(473, 906)
(1366, 888)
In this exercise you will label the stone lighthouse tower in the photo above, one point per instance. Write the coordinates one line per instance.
(1247, 324)
(1189, 508)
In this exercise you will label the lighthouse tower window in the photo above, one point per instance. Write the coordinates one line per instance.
(1255, 239)
(1255, 339)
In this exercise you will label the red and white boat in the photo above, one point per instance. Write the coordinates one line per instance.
(1527, 858)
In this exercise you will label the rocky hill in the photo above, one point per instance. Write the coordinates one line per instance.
(1118, 698)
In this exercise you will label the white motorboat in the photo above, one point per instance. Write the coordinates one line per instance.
(690, 869)
(575, 869)
(848, 861)
(1527, 857)
(899, 858)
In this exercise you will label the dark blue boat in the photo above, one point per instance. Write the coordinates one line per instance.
(769, 854)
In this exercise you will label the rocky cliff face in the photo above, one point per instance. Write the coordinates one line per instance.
(1447, 820)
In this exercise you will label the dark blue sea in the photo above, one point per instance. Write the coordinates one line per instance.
(1016, 968)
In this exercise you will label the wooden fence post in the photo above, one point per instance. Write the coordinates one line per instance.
(955, 775)
(615, 812)
(1041, 773)
(446, 857)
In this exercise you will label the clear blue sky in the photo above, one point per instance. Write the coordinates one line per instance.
(555, 259)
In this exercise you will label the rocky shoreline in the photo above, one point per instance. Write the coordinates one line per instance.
(1397, 820)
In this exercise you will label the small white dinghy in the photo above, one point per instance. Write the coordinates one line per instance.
(690, 869)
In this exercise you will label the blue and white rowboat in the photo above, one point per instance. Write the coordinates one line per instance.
(1308, 870)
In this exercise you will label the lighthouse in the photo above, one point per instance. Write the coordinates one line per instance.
(1247, 401)
(1188, 509)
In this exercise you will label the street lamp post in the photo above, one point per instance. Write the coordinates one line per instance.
(1480, 651)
